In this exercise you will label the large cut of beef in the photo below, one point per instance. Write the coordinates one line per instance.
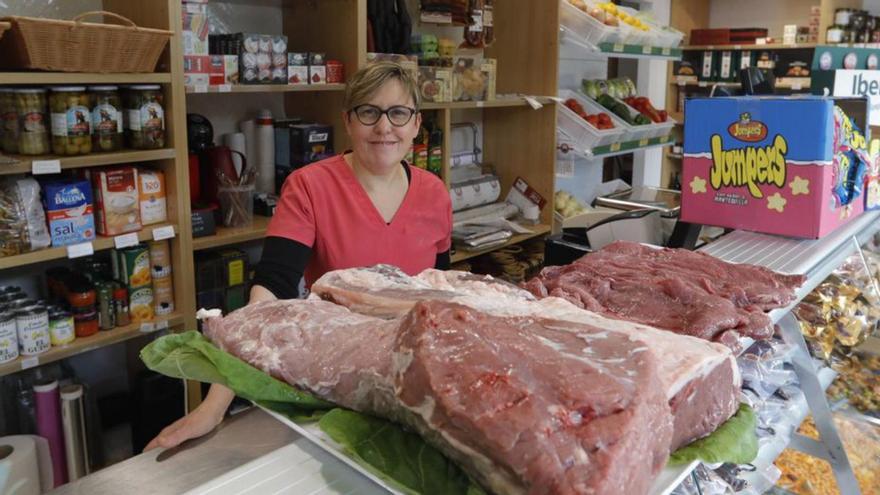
(524, 404)
(675, 289)
(700, 379)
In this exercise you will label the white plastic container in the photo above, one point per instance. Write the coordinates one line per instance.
(653, 130)
(585, 26)
(581, 132)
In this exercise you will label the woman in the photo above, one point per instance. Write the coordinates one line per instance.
(361, 208)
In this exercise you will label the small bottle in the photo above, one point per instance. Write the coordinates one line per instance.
(120, 303)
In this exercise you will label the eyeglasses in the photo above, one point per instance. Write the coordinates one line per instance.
(398, 115)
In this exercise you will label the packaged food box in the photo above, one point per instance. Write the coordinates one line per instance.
(469, 81)
(307, 143)
(132, 266)
(69, 211)
(262, 58)
(151, 196)
(317, 74)
(116, 200)
(195, 32)
(774, 164)
(435, 84)
(234, 266)
(297, 68)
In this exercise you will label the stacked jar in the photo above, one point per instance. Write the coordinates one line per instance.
(71, 121)
(853, 26)
(144, 117)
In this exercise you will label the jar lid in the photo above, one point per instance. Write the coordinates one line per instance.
(46, 387)
(120, 293)
(103, 88)
(30, 90)
(71, 392)
(67, 89)
(145, 87)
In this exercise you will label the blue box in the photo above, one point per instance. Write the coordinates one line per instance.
(69, 210)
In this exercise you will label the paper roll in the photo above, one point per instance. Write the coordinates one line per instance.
(236, 142)
(20, 464)
(265, 157)
(249, 129)
(48, 410)
(74, 425)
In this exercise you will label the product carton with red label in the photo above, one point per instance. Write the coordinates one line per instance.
(778, 165)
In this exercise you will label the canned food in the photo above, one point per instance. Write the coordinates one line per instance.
(335, 71)
(8, 337)
(71, 121)
(834, 34)
(32, 326)
(107, 111)
(160, 259)
(134, 266)
(163, 295)
(120, 303)
(61, 327)
(8, 122)
(144, 117)
(141, 305)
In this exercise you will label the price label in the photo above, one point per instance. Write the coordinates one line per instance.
(80, 250)
(618, 47)
(200, 88)
(615, 147)
(647, 50)
(796, 87)
(710, 47)
(737, 47)
(643, 142)
(681, 82)
(535, 104)
(126, 240)
(664, 139)
(161, 324)
(30, 362)
(481, 104)
(162, 233)
(666, 52)
(702, 84)
(40, 167)
(224, 88)
(148, 326)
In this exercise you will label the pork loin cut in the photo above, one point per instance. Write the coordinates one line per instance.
(525, 405)
(700, 378)
(675, 289)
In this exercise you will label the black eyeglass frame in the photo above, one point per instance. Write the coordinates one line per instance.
(412, 112)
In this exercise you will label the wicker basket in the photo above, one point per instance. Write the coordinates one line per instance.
(77, 46)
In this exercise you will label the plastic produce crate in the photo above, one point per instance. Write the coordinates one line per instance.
(587, 27)
(581, 132)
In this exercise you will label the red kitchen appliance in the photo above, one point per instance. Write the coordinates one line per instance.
(219, 160)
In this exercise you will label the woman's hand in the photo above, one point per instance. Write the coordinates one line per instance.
(200, 421)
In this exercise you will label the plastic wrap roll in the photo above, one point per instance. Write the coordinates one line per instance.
(475, 192)
(265, 156)
(48, 409)
(74, 426)
(236, 141)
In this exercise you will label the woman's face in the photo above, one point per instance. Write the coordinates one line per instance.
(381, 146)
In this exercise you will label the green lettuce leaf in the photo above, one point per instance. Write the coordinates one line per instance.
(395, 455)
(191, 356)
(735, 441)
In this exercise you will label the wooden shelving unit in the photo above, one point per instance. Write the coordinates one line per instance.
(775, 46)
(37, 78)
(537, 231)
(265, 88)
(101, 243)
(24, 164)
(226, 236)
(497, 103)
(86, 344)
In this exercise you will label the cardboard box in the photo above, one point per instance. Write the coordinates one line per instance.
(195, 33)
(307, 143)
(116, 200)
(469, 81)
(435, 84)
(297, 68)
(217, 70)
(196, 70)
(317, 74)
(234, 264)
(69, 212)
(767, 164)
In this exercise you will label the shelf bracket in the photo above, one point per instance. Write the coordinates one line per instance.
(829, 445)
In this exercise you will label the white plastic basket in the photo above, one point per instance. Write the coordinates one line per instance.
(582, 133)
(585, 26)
(655, 129)
(631, 132)
(635, 36)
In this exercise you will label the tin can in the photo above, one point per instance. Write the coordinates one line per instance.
(163, 296)
(106, 310)
(134, 266)
(160, 259)
(8, 337)
(61, 328)
(141, 305)
(32, 326)
(335, 71)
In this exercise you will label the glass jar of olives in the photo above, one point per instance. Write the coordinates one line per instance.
(71, 121)
(106, 118)
(144, 117)
(33, 125)
(8, 122)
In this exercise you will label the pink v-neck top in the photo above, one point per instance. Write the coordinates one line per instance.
(323, 206)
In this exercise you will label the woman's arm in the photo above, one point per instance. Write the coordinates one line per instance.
(281, 267)
(209, 413)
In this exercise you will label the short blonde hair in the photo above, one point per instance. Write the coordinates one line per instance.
(367, 81)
